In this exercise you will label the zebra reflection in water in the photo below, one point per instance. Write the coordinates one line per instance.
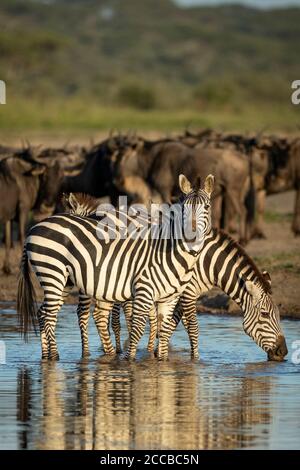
(138, 407)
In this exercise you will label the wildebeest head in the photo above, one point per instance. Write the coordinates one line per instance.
(126, 161)
(278, 177)
(50, 183)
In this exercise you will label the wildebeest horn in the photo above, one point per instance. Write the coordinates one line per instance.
(28, 144)
(261, 132)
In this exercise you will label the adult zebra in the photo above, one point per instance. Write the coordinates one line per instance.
(225, 264)
(239, 273)
(107, 266)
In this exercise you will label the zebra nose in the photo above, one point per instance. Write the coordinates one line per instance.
(282, 349)
(279, 351)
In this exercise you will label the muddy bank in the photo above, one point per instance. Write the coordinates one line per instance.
(279, 254)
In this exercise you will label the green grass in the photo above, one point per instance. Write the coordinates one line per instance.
(289, 262)
(271, 217)
(21, 115)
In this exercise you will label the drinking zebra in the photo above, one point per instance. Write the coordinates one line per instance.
(93, 254)
(224, 263)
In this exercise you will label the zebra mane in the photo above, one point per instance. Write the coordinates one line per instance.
(80, 203)
(243, 254)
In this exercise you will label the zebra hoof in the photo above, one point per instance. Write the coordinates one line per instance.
(127, 357)
(195, 357)
(119, 350)
(163, 358)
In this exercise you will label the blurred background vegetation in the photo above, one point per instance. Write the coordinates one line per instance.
(97, 64)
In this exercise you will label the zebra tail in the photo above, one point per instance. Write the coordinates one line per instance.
(26, 299)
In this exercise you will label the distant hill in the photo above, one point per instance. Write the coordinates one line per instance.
(148, 54)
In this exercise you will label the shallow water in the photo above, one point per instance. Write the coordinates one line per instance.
(231, 399)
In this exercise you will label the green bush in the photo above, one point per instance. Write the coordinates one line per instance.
(136, 96)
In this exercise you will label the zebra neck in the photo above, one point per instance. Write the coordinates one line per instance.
(184, 244)
(227, 266)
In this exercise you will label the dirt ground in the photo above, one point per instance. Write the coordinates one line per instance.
(279, 254)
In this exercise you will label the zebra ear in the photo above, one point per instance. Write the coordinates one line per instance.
(253, 290)
(209, 184)
(73, 202)
(267, 277)
(185, 185)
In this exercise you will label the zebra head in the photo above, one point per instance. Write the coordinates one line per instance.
(262, 321)
(196, 210)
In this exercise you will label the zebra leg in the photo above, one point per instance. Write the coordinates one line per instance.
(141, 308)
(51, 309)
(189, 319)
(44, 342)
(101, 316)
(170, 319)
(153, 329)
(127, 308)
(116, 327)
(83, 314)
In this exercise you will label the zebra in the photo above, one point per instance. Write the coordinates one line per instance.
(86, 205)
(225, 264)
(235, 260)
(112, 268)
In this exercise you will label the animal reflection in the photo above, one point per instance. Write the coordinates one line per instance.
(172, 405)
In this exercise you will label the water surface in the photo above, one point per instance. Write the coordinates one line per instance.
(231, 399)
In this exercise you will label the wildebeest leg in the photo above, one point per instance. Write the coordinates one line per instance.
(238, 204)
(230, 217)
(83, 315)
(217, 211)
(296, 217)
(116, 327)
(6, 265)
(22, 225)
(101, 317)
(257, 231)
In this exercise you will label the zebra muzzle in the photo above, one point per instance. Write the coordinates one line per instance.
(280, 350)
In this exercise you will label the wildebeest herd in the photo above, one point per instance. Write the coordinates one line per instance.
(245, 170)
(33, 179)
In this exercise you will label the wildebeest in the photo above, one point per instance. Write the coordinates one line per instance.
(95, 174)
(26, 185)
(159, 163)
(284, 172)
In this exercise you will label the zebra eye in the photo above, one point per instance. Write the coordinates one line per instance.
(206, 207)
(264, 314)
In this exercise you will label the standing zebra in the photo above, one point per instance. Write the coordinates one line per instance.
(108, 267)
(224, 263)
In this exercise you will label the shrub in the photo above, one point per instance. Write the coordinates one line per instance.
(137, 96)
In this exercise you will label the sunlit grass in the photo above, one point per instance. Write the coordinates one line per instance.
(20, 115)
